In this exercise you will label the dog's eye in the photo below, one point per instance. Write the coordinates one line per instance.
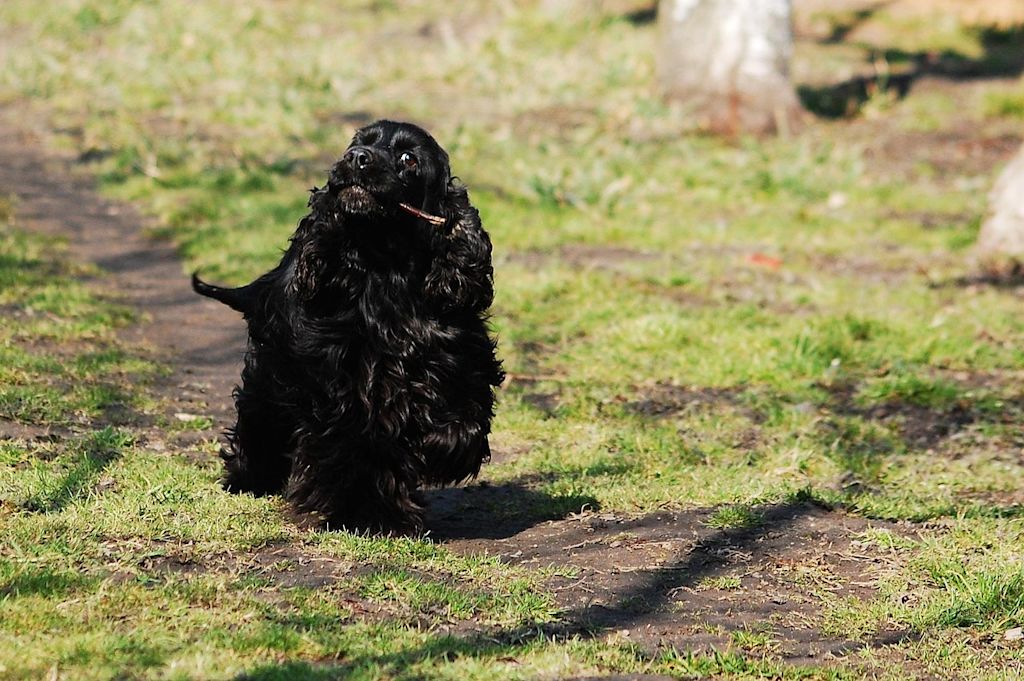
(408, 160)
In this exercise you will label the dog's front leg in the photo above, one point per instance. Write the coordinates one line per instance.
(256, 459)
(357, 484)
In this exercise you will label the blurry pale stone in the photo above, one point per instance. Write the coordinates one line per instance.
(727, 62)
(1002, 236)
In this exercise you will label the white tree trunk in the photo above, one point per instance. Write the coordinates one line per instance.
(727, 61)
(1001, 241)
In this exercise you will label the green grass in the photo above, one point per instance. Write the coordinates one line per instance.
(739, 517)
(689, 322)
(1009, 104)
(725, 583)
(755, 641)
(59, 362)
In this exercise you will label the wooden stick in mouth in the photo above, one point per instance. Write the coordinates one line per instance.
(432, 219)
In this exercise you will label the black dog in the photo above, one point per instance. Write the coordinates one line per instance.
(370, 371)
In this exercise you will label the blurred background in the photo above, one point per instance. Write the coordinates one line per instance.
(551, 107)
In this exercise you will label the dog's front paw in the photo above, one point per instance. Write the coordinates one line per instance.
(236, 478)
(240, 478)
(402, 515)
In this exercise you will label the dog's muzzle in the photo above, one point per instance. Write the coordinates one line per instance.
(358, 200)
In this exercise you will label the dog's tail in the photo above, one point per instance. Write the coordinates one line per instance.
(239, 299)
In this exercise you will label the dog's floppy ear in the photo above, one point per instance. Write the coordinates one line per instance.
(455, 206)
(461, 276)
(436, 190)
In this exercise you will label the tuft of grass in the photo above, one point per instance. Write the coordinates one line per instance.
(1004, 104)
(988, 599)
(754, 640)
(910, 388)
(734, 517)
(723, 583)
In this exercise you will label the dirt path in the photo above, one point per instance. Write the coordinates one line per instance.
(665, 579)
(199, 339)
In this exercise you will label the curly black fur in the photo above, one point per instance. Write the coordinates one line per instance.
(370, 371)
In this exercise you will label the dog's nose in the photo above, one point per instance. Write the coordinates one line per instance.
(357, 157)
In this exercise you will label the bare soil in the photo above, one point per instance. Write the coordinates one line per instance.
(670, 579)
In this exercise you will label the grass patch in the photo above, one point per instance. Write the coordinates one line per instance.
(1005, 104)
(63, 478)
(59, 360)
(734, 517)
(989, 600)
(724, 583)
(754, 640)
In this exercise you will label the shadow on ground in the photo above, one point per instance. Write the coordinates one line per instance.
(496, 511)
(666, 581)
(79, 479)
(896, 70)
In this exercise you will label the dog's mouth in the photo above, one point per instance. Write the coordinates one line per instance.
(358, 200)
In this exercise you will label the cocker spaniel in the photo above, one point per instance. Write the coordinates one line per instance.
(370, 371)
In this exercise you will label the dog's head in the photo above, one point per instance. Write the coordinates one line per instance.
(389, 164)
